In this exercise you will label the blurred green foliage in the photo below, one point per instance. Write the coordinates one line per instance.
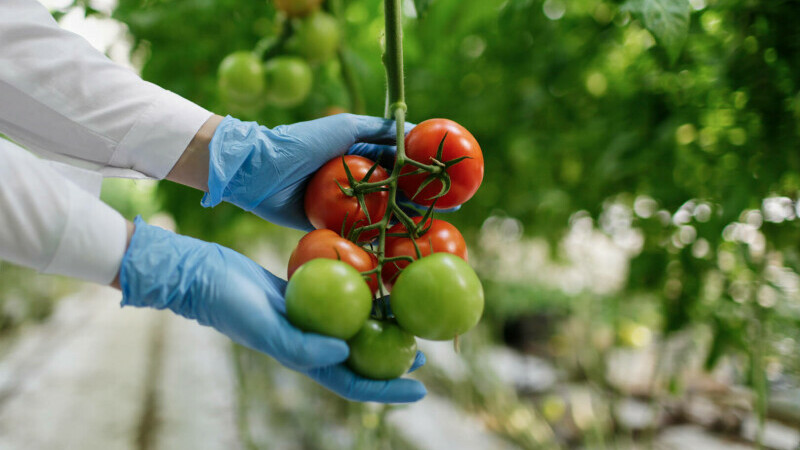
(26, 298)
(689, 118)
(575, 105)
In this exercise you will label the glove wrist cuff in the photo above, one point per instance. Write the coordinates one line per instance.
(150, 274)
(236, 152)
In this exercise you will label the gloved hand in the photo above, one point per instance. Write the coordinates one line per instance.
(344, 382)
(221, 288)
(266, 170)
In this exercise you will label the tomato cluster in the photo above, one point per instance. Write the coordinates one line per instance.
(339, 273)
(309, 36)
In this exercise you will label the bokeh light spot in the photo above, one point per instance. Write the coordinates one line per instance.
(737, 136)
(554, 9)
(686, 134)
(596, 84)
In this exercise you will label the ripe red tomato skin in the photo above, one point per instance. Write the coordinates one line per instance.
(334, 110)
(442, 237)
(297, 8)
(326, 205)
(327, 244)
(422, 143)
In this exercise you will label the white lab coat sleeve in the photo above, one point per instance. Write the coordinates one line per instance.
(64, 100)
(53, 225)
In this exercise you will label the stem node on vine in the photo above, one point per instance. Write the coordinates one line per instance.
(396, 108)
(398, 105)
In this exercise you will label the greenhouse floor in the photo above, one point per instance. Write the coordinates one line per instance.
(96, 376)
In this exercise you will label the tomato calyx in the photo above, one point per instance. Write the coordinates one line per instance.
(437, 171)
(371, 230)
(381, 310)
(358, 188)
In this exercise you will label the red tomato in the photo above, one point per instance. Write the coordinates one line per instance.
(422, 144)
(297, 8)
(333, 110)
(327, 244)
(442, 237)
(328, 207)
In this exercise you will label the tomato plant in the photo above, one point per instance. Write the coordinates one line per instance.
(381, 350)
(423, 146)
(328, 297)
(439, 163)
(297, 8)
(327, 244)
(440, 236)
(288, 80)
(351, 200)
(317, 37)
(328, 206)
(241, 78)
(437, 297)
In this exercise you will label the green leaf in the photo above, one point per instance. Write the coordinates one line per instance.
(422, 7)
(668, 20)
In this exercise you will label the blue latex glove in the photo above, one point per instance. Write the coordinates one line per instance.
(221, 288)
(266, 170)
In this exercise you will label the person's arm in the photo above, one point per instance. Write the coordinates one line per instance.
(192, 167)
(61, 98)
(50, 224)
(129, 230)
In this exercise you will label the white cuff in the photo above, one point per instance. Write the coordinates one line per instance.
(92, 241)
(160, 135)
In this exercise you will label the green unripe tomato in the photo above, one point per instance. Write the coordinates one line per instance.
(288, 80)
(381, 351)
(317, 37)
(241, 78)
(329, 297)
(437, 297)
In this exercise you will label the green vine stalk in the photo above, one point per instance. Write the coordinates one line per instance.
(437, 169)
(395, 88)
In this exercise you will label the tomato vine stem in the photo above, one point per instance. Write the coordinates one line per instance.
(270, 46)
(396, 108)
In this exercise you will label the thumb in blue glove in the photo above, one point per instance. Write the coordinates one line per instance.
(266, 170)
(221, 288)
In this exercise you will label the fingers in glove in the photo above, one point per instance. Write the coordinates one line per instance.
(376, 130)
(345, 383)
(419, 361)
(299, 350)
